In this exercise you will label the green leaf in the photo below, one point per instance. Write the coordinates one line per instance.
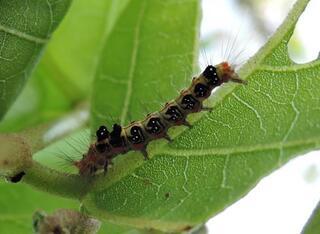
(115, 229)
(40, 101)
(18, 202)
(143, 51)
(313, 224)
(65, 72)
(25, 28)
(76, 46)
(252, 131)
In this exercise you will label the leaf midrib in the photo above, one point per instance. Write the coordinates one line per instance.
(238, 149)
(133, 62)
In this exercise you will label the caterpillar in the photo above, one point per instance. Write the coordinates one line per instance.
(138, 134)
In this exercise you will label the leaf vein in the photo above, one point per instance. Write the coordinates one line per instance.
(23, 35)
(294, 122)
(254, 111)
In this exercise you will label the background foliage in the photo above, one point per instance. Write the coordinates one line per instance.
(120, 49)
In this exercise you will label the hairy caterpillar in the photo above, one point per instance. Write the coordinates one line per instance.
(138, 134)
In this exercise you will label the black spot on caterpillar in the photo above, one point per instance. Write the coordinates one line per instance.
(138, 134)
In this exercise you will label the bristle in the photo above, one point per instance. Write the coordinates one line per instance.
(137, 135)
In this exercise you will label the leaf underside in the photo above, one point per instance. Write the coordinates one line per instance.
(61, 80)
(25, 28)
(252, 131)
(141, 59)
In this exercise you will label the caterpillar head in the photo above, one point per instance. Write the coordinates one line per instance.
(96, 157)
(221, 73)
(91, 162)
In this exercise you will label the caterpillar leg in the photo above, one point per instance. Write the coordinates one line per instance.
(105, 168)
(206, 108)
(145, 154)
(187, 124)
(167, 138)
(110, 162)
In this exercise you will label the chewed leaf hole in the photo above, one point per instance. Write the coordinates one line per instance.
(304, 45)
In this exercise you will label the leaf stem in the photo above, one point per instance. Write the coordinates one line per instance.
(55, 182)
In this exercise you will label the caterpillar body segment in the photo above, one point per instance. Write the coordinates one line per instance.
(137, 135)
